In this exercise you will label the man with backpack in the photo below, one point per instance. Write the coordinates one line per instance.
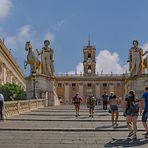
(76, 101)
(91, 101)
(144, 110)
(1, 106)
(105, 100)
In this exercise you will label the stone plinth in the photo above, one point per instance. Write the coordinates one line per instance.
(137, 84)
(44, 88)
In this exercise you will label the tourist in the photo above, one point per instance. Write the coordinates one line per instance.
(113, 102)
(144, 110)
(132, 109)
(111, 95)
(91, 101)
(1, 105)
(76, 101)
(105, 100)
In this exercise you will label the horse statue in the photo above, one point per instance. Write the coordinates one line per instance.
(31, 58)
(145, 63)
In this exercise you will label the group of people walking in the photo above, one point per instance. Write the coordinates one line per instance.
(132, 107)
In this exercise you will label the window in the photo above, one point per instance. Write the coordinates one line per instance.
(89, 67)
(111, 84)
(118, 84)
(59, 84)
(104, 84)
(89, 55)
(89, 84)
(73, 84)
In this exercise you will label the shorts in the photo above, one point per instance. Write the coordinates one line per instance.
(114, 108)
(145, 116)
(129, 113)
(91, 107)
(77, 104)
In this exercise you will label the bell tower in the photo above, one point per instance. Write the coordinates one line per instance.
(89, 62)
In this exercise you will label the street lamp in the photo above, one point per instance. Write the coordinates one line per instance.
(34, 92)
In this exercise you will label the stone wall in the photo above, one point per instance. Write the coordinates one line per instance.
(13, 108)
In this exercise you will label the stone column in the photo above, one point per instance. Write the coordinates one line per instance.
(97, 90)
(66, 93)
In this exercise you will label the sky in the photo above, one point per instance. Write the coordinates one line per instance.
(112, 25)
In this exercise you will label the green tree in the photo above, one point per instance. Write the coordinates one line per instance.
(12, 92)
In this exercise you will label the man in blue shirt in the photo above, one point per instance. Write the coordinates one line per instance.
(105, 100)
(144, 110)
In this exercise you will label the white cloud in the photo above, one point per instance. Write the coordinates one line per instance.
(49, 36)
(145, 48)
(79, 68)
(23, 34)
(106, 62)
(17, 43)
(58, 25)
(109, 62)
(5, 7)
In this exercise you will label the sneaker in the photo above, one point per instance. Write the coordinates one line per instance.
(146, 135)
(116, 124)
(92, 116)
(135, 136)
(79, 115)
(130, 134)
(89, 115)
(76, 115)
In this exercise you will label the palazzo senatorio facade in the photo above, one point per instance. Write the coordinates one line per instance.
(10, 72)
(89, 82)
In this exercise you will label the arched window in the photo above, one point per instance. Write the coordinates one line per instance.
(89, 69)
(89, 55)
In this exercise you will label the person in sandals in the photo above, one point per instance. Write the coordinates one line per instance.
(113, 102)
(91, 101)
(132, 109)
(77, 101)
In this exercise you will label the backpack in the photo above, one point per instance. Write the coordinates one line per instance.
(91, 100)
(134, 107)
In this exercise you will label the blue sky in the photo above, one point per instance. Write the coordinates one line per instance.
(112, 25)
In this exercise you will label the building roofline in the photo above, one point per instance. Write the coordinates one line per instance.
(7, 54)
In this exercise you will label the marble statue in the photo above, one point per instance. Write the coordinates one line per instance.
(135, 59)
(47, 60)
(31, 58)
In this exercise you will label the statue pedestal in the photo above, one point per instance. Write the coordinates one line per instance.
(137, 84)
(42, 87)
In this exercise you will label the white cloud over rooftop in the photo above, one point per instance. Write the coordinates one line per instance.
(5, 7)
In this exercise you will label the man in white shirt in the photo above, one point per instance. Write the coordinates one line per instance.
(1, 105)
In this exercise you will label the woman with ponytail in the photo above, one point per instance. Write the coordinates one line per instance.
(132, 109)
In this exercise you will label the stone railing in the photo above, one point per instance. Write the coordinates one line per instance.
(13, 108)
